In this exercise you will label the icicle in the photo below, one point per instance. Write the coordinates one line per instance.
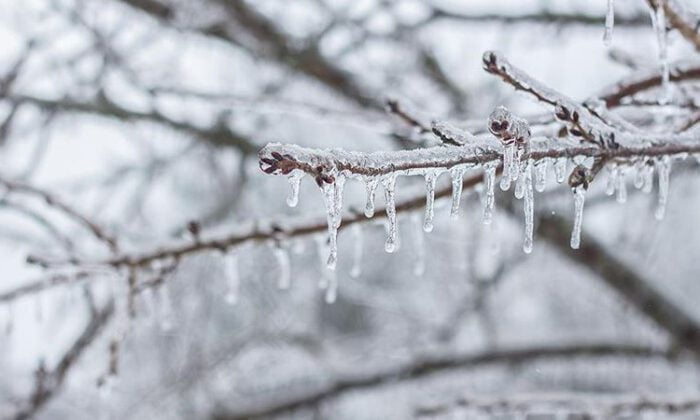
(338, 200)
(541, 175)
(371, 188)
(333, 197)
(232, 277)
(520, 185)
(358, 245)
(528, 208)
(613, 175)
(517, 163)
(285, 275)
(321, 251)
(609, 23)
(621, 186)
(457, 174)
(658, 19)
(294, 182)
(560, 169)
(489, 181)
(508, 157)
(648, 179)
(389, 196)
(430, 178)
(664, 170)
(579, 200)
(419, 243)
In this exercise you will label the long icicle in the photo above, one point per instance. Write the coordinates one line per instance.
(457, 174)
(430, 178)
(664, 170)
(658, 19)
(508, 157)
(489, 185)
(392, 228)
(579, 200)
(609, 23)
(371, 188)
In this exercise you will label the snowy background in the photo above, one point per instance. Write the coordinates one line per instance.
(145, 115)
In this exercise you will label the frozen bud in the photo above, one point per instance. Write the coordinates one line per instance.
(276, 163)
(499, 121)
(521, 131)
(562, 112)
(490, 60)
(580, 176)
(509, 128)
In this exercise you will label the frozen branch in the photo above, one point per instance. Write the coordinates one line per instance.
(323, 165)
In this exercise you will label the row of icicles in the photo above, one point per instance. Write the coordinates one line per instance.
(515, 172)
(521, 174)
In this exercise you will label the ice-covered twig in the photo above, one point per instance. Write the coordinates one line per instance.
(278, 159)
(580, 121)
